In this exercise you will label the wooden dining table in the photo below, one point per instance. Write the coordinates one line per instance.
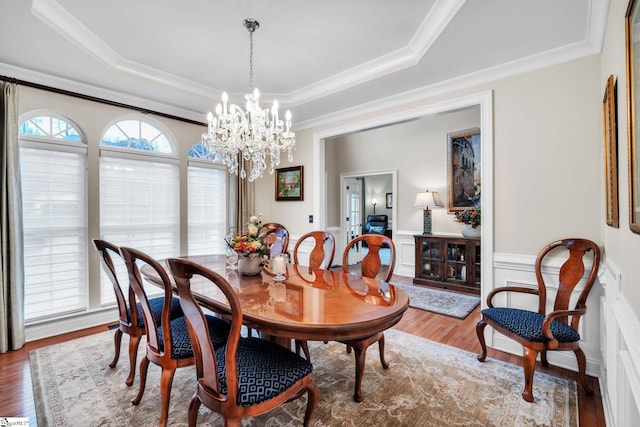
(310, 304)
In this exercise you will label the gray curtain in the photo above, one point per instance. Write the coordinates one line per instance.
(11, 267)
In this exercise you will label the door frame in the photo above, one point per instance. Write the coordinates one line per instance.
(343, 177)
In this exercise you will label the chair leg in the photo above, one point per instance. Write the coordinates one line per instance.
(144, 366)
(117, 340)
(166, 379)
(360, 356)
(302, 344)
(582, 366)
(134, 341)
(312, 402)
(529, 365)
(384, 363)
(543, 358)
(480, 332)
(193, 410)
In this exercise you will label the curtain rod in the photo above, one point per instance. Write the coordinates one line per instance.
(96, 99)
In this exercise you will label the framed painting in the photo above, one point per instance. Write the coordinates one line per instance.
(463, 169)
(289, 184)
(632, 21)
(609, 119)
(389, 200)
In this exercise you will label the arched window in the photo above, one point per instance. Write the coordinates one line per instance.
(139, 190)
(207, 202)
(53, 163)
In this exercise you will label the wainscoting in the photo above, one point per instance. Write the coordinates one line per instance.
(620, 350)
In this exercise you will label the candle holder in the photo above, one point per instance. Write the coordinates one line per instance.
(279, 266)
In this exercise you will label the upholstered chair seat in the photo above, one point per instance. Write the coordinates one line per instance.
(528, 324)
(265, 370)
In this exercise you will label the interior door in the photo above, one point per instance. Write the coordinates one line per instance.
(353, 215)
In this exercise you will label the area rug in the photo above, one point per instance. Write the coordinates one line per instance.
(442, 302)
(427, 384)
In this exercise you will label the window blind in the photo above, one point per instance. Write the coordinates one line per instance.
(54, 208)
(207, 205)
(139, 208)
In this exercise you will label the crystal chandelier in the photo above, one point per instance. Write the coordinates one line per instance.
(235, 135)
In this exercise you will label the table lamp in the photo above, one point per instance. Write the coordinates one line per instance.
(427, 200)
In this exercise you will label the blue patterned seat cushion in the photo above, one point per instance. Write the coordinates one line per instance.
(156, 308)
(265, 370)
(528, 324)
(218, 332)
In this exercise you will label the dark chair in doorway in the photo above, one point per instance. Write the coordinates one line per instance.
(376, 224)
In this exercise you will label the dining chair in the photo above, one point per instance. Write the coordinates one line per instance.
(539, 331)
(168, 342)
(318, 258)
(370, 266)
(131, 322)
(246, 377)
(276, 237)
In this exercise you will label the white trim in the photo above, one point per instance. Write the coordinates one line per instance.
(74, 322)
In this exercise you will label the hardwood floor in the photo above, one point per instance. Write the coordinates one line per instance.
(18, 401)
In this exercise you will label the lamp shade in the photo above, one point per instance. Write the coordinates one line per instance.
(428, 199)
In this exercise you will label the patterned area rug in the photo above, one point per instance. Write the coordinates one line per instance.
(427, 384)
(442, 302)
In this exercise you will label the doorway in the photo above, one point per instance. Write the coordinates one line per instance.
(356, 203)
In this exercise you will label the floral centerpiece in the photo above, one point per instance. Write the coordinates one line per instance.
(250, 245)
(471, 220)
(469, 216)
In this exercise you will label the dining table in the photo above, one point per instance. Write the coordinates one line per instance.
(310, 304)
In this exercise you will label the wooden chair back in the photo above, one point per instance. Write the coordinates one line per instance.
(276, 237)
(371, 263)
(318, 258)
(571, 272)
(107, 251)
(128, 322)
(132, 257)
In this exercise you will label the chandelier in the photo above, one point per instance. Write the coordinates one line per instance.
(235, 135)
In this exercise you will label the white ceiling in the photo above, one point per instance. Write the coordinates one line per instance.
(315, 57)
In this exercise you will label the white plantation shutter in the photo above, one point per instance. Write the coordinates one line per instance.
(140, 208)
(207, 209)
(54, 205)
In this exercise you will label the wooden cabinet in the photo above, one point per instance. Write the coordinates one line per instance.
(448, 262)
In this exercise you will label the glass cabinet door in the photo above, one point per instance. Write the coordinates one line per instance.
(431, 259)
(456, 263)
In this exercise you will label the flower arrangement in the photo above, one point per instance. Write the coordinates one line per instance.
(250, 243)
(469, 216)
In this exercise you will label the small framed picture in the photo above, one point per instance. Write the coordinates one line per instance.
(289, 184)
(389, 200)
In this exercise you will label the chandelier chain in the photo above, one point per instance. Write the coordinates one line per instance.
(250, 61)
(237, 137)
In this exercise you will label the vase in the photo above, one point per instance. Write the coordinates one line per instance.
(469, 231)
(250, 266)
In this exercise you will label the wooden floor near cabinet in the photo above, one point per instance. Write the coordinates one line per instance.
(17, 395)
